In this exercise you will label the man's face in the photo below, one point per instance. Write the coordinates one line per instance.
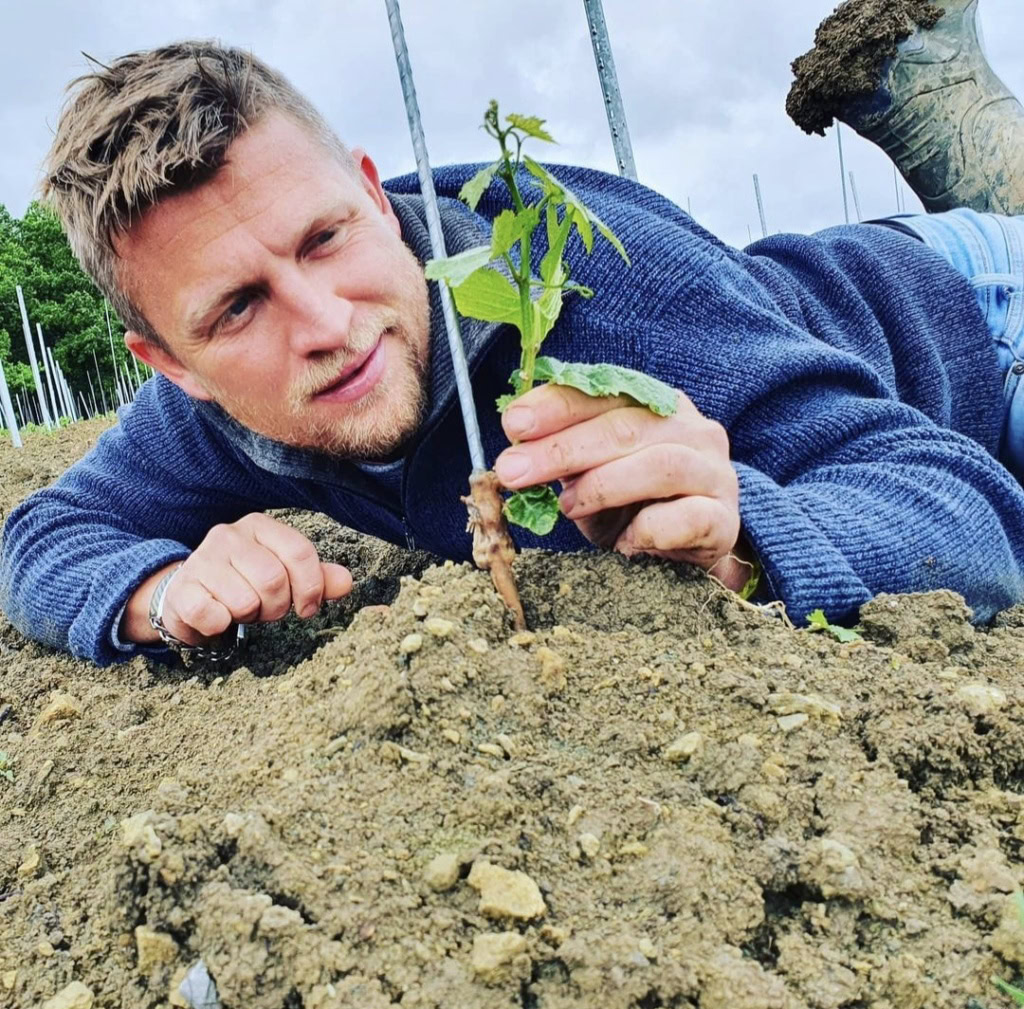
(285, 293)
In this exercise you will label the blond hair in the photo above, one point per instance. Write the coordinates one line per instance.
(154, 123)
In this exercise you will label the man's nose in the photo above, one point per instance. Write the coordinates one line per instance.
(320, 317)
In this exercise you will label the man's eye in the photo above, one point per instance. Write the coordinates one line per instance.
(322, 238)
(237, 311)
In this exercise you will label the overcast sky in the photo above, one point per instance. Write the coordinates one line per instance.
(703, 81)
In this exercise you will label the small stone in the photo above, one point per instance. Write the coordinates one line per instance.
(633, 849)
(9, 979)
(419, 608)
(647, 948)
(137, 832)
(574, 814)
(789, 723)
(413, 756)
(522, 639)
(216, 681)
(493, 953)
(61, 708)
(749, 739)
(505, 742)
(411, 644)
(590, 844)
(980, 698)
(153, 948)
(442, 872)
(335, 745)
(774, 770)
(74, 996)
(174, 996)
(786, 703)
(452, 736)
(280, 920)
(29, 867)
(233, 824)
(45, 948)
(506, 894)
(491, 749)
(439, 627)
(478, 645)
(497, 703)
(683, 748)
(552, 668)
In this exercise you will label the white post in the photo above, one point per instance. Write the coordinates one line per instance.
(62, 406)
(760, 205)
(49, 376)
(856, 198)
(27, 330)
(842, 171)
(99, 378)
(8, 409)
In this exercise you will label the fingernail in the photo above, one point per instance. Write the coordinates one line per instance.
(308, 610)
(566, 500)
(511, 466)
(518, 420)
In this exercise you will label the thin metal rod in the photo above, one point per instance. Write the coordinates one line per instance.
(61, 405)
(842, 171)
(419, 146)
(610, 88)
(8, 409)
(760, 205)
(99, 379)
(896, 185)
(856, 198)
(49, 376)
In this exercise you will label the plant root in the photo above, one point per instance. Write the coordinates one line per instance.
(493, 549)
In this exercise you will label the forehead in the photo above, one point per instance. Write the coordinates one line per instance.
(275, 181)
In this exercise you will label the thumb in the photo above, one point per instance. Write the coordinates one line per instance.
(337, 580)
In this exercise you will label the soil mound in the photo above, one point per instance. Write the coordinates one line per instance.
(659, 796)
(851, 47)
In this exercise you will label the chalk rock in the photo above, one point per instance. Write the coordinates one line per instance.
(9, 979)
(590, 844)
(684, 748)
(61, 707)
(74, 996)
(137, 833)
(439, 627)
(30, 866)
(980, 698)
(789, 723)
(153, 948)
(442, 872)
(411, 644)
(552, 668)
(494, 953)
(506, 894)
(786, 703)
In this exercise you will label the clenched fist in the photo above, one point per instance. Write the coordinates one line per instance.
(251, 571)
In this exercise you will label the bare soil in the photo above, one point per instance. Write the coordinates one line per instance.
(851, 47)
(708, 809)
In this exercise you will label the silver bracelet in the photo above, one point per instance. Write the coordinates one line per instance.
(156, 621)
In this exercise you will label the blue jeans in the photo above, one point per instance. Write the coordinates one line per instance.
(988, 249)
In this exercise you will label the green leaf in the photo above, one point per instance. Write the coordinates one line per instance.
(609, 380)
(455, 269)
(536, 508)
(817, 621)
(510, 227)
(1008, 989)
(471, 191)
(546, 310)
(551, 271)
(504, 402)
(558, 191)
(532, 126)
(488, 295)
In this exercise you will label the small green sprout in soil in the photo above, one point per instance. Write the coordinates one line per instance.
(1008, 989)
(817, 621)
(495, 283)
(6, 766)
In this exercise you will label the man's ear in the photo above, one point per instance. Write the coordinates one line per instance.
(370, 179)
(166, 363)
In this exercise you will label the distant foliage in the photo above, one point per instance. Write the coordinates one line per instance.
(59, 296)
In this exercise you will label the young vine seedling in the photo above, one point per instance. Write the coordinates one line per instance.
(495, 283)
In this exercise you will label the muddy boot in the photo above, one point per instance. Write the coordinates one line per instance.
(912, 77)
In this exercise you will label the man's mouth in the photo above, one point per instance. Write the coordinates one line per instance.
(358, 377)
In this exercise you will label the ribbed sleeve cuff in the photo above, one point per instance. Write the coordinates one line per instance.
(93, 632)
(801, 565)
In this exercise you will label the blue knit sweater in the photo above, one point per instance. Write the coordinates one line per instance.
(852, 370)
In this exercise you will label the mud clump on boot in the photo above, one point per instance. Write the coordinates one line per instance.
(851, 47)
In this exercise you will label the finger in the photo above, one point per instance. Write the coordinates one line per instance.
(602, 439)
(191, 613)
(303, 575)
(227, 586)
(698, 530)
(651, 473)
(337, 580)
(549, 408)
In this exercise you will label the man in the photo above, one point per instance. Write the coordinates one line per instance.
(841, 397)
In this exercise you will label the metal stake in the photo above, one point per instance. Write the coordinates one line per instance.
(27, 330)
(8, 409)
(610, 88)
(49, 376)
(856, 198)
(419, 145)
(842, 171)
(760, 206)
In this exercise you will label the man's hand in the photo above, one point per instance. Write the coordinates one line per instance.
(631, 480)
(254, 570)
